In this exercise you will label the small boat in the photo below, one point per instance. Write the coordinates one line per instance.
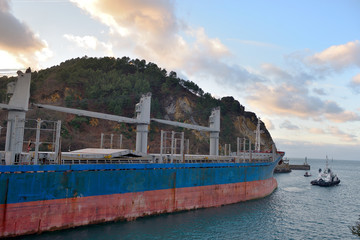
(326, 178)
(307, 174)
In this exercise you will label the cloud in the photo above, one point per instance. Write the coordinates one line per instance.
(14, 33)
(318, 150)
(332, 60)
(342, 116)
(286, 91)
(288, 125)
(342, 135)
(283, 99)
(337, 57)
(148, 28)
(269, 125)
(335, 132)
(273, 71)
(317, 131)
(152, 31)
(320, 91)
(289, 98)
(90, 42)
(355, 83)
(18, 41)
(356, 79)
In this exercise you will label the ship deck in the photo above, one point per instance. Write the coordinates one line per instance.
(127, 156)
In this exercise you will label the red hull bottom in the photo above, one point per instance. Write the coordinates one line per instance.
(34, 217)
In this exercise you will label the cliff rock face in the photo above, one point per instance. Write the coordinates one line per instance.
(178, 108)
(248, 126)
(114, 86)
(245, 123)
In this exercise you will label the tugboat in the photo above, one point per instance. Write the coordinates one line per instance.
(327, 178)
(307, 174)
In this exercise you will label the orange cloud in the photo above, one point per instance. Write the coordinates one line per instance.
(149, 28)
(316, 131)
(293, 100)
(338, 56)
(274, 71)
(152, 31)
(288, 125)
(90, 42)
(18, 42)
(334, 132)
(355, 83)
(342, 135)
(356, 79)
(343, 116)
(269, 125)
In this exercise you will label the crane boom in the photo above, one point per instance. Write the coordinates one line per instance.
(184, 125)
(92, 114)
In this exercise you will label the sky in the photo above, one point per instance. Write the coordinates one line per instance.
(296, 64)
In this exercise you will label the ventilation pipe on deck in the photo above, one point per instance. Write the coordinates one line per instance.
(143, 115)
(18, 105)
(214, 121)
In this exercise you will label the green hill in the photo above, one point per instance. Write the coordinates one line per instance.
(115, 85)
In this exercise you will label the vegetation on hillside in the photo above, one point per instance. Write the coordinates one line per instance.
(115, 85)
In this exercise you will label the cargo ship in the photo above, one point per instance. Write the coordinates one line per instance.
(46, 191)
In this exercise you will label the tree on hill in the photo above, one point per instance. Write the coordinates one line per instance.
(115, 85)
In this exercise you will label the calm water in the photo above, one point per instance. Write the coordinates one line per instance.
(296, 210)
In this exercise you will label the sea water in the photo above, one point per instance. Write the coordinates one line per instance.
(296, 210)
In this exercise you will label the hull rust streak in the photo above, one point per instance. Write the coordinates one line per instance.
(123, 184)
(37, 199)
(23, 218)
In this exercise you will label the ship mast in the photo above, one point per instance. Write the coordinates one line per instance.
(257, 136)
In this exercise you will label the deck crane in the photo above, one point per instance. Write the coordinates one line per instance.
(214, 129)
(17, 108)
(142, 119)
(18, 105)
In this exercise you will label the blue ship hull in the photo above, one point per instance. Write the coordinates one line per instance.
(37, 198)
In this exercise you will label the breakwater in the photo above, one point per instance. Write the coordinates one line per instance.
(299, 166)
